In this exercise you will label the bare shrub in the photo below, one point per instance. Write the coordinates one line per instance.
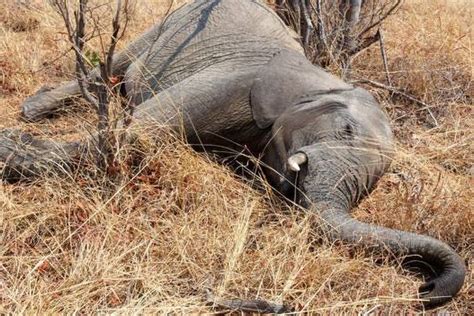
(334, 31)
(99, 86)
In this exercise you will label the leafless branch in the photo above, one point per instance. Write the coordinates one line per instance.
(113, 39)
(384, 57)
(394, 90)
(382, 17)
(365, 43)
(351, 10)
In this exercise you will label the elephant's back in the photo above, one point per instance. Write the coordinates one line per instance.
(207, 20)
(238, 34)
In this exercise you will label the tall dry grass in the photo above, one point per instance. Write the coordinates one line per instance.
(155, 238)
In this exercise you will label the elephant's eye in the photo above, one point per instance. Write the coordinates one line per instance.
(348, 131)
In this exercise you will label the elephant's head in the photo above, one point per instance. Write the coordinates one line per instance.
(327, 150)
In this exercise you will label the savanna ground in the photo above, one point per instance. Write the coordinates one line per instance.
(153, 239)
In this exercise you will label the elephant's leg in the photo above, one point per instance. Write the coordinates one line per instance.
(209, 102)
(203, 102)
(22, 156)
(46, 101)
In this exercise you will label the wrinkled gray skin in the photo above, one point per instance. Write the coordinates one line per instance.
(229, 71)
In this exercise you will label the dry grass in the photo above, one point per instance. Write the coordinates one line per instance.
(155, 238)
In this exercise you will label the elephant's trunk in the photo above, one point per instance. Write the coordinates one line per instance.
(333, 183)
(449, 266)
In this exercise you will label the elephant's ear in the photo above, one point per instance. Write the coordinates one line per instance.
(286, 79)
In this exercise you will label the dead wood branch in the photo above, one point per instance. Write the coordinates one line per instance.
(247, 306)
(396, 91)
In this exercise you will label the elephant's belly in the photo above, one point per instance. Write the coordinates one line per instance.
(228, 129)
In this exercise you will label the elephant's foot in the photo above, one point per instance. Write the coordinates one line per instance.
(32, 108)
(47, 100)
(22, 156)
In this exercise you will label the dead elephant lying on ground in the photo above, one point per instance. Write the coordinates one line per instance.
(229, 72)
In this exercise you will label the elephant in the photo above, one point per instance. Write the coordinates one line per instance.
(231, 73)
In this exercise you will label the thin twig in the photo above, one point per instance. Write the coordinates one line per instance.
(382, 18)
(425, 106)
(384, 57)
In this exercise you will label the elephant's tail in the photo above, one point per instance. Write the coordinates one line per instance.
(449, 268)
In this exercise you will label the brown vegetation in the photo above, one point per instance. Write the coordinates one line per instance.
(155, 237)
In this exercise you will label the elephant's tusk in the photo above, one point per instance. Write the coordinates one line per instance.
(296, 160)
